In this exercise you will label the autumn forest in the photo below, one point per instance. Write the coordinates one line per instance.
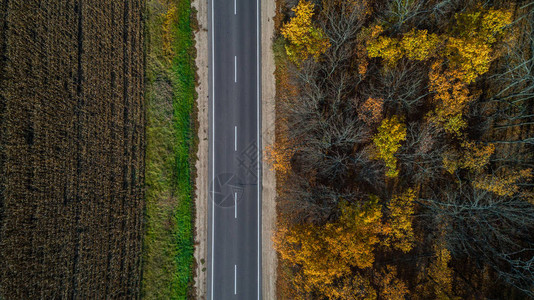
(404, 149)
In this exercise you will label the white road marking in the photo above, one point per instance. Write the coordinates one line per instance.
(258, 88)
(235, 7)
(235, 279)
(235, 138)
(213, 146)
(235, 68)
(235, 205)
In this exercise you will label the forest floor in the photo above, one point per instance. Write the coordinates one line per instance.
(171, 145)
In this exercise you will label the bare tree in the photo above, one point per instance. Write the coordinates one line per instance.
(341, 23)
(515, 81)
(399, 12)
(489, 229)
(421, 155)
(403, 87)
(304, 201)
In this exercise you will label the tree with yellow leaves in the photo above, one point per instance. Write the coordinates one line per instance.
(327, 253)
(472, 156)
(483, 24)
(476, 155)
(400, 232)
(387, 141)
(305, 40)
(503, 183)
(419, 45)
(386, 48)
(353, 286)
(470, 45)
(467, 50)
(440, 273)
(470, 58)
(415, 45)
(365, 36)
(391, 287)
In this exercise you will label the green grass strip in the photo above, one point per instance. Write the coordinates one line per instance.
(168, 242)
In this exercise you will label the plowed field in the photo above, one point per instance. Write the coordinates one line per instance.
(71, 148)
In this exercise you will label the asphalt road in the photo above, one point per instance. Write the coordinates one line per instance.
(234, 252)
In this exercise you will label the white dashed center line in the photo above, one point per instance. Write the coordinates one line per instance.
(235, 68)
(235, 279)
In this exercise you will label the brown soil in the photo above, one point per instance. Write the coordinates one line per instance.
(71, 149)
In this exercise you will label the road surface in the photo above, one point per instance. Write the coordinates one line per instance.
(234, 239)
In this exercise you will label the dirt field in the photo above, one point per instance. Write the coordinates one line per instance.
(71, 149)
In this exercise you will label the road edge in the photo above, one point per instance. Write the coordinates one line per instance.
(268, 92)
(201, 181)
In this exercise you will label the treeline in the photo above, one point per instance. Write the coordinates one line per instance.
(71, 149)
(404, 149)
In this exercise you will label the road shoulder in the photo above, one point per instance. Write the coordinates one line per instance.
(201, 191)
(268, 91)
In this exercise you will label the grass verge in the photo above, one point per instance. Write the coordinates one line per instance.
(171, 143)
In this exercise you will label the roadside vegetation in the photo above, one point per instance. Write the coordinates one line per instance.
(171, 146)
(404, 149)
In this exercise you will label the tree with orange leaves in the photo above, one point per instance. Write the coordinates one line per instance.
(391, 287)
(279, 158)
(353, 286)
(371, 110)
(451, 97)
